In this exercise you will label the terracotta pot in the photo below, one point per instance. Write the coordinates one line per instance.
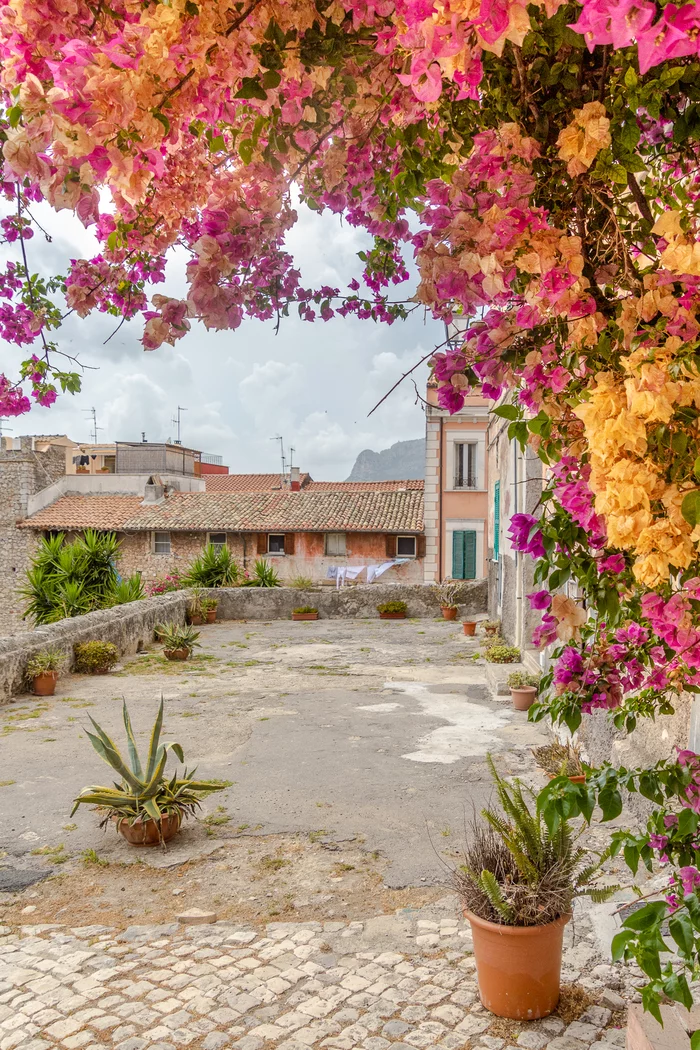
(518, 967)
(305, 616)
(145, 832)
(177, 654)
(579, 778)
(195, 619)
(448, 612)
(490, 631)
(469, 627)
(392, 616)
(211, 615)
(524, 697)
(44, 684)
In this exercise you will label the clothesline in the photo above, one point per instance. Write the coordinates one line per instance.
(341, 573)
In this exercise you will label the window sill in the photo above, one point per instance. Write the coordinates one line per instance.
(274, 554)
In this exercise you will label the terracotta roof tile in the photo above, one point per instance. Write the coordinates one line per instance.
(364, 486)
(85, 512)
(247, 482)
(399, 510)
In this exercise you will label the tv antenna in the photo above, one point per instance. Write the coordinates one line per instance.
(281, 441)
(292, 450)
(4, 429)
(177, 421)
(92, 412)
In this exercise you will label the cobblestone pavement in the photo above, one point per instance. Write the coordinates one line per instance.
(290, 986)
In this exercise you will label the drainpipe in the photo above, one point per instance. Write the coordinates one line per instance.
(518, 556)
(440, 488)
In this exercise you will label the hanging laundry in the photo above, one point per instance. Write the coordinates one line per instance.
(332, 572)
(353, 571)
(340, 577)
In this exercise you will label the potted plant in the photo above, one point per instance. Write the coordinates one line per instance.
(209, 607)
(95, 657)
(42, 671)
(146, 806)
(469, 627)
(446, 594)
(517, 888)
(491, 628)
(561, 760)
(178, 642)
(392, 610)
(305, 612)
(196, 611)
(523, 689)
(500, 653)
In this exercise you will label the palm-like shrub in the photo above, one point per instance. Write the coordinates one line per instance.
(143, 792)
(214, 567)
(174, 636)
(69, 579)
(519, 873)
(263, 575)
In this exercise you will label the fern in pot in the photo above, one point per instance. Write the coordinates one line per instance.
(517, 886)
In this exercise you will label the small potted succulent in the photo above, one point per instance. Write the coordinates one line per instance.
(523, 689)
(305, 612)
(446, 595)
(196, 607)
(392, 610)
(469, 627)
(491, 628)
(209, 607)
(501, 653)
(146, 807)
(561, 760)
(517, 886)
(42, 671)
(95, 657)
(178, 642)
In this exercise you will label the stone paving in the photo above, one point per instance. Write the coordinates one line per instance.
(290, 986)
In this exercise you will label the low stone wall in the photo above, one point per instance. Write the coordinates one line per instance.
(354, 603)
(131, 627)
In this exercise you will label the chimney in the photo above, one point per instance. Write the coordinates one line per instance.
(154, 491)
(294, 479)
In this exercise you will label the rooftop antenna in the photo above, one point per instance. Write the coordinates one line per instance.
(93, 433)
(4, 429)
(177, 421)
(279, 438)
(292, 450)
(143, 435)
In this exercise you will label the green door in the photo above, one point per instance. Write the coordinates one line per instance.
(496, 520)
(464, 555)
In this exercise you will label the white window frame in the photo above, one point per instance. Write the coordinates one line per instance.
(330, 539)
(465, 437)
(275, 554)
(154, 542)
(216, 543)
(415, 546)
(477, 525)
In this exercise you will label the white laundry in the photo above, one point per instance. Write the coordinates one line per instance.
(332, 572)
(340, 577)
(353, 571)
(380, 569)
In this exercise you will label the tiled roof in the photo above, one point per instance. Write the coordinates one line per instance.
(364, 486)
(305, 511)
(247, 482)
(86, 512)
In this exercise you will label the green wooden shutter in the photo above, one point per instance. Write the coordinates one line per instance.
(457, 555)
(496, 520)
(469, 555)
(463, 555)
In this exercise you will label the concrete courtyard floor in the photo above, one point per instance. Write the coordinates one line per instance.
(353, 752)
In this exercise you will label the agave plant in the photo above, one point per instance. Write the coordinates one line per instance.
(174, 636)
(263, 575)
(214, 567)
(143, 791)
(519, 873)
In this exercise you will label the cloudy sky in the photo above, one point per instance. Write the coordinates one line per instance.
(312, 383)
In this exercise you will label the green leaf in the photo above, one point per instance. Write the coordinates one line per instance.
(681, 929)
(505, 412)
(648, 916)
(271, 79)
(619, 943)
(695, 1041)
(161, 117)
(676, 987)
(153, 744)
(131, 743)
(251, 88)
(690, 507)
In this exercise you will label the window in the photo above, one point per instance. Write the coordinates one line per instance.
(217, 540)
(464, 555)
(465, 465)
(335, 543)
(161, 543)
(275, 543)
(405, 546)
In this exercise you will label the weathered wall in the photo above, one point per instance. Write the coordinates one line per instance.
(131, 626)
(23, 472)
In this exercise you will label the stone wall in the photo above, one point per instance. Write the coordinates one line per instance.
(23, 472)
(131, 627)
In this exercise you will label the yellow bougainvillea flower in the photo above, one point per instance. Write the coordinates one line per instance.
(580, 142)
(571, 617)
